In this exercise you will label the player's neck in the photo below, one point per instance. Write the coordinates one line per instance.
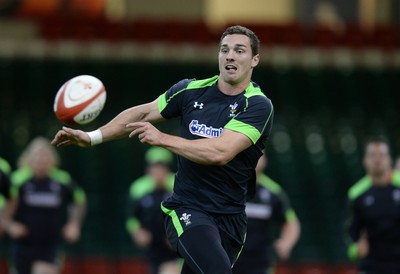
(383, 179)
(232, 89)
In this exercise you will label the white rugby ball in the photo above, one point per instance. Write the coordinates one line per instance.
(80, 100)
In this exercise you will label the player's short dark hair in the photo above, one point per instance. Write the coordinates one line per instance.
(376, 140)
(254, 41)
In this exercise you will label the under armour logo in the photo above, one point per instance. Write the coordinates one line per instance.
(196, 104)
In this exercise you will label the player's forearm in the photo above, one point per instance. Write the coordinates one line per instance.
(201, 151)
(116, 128)
(8, 212)
(77, 213)
(291, 232)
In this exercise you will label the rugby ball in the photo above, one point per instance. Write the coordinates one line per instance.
(80, 100)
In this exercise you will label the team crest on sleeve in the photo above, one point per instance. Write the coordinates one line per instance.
(186, 218)
(203, 130)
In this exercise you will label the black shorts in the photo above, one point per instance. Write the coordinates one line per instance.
(231, 227)
(24, 256)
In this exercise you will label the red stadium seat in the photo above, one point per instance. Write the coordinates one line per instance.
(293, 35)
(283, 268)
(144, 31)
(51, 29)
(70, 266)
(3, 265)
(323, 37)
(39, 9)
(98, 265)
(312, 268)
(354, 37)
(345, 269)
(198, 32)
(132, 266)
(385, 37)
(111, 31)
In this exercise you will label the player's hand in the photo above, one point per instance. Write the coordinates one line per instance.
(142, 237)
(68, 136)
(170, 267)
(362, 247)
(17, 230)
(146, 132)
(71, 232)
(283, 249)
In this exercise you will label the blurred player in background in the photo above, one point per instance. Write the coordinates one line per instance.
(375, 213)
(397, 164)
(268, 206)
(145, 223)
(5, 170)
(45, 204)
(225, 121)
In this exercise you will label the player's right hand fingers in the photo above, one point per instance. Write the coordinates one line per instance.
(69, 130)
(64, 143)
(61, 135)
(137, 131)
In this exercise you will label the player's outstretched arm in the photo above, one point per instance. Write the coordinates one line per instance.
(68, 136)
(290, 233)
(113, 130)
(207, 151)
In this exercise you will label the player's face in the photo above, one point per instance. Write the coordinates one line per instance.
(41, 162)
(397, 164)
(159, 173)
(236, 61)
(377, 159)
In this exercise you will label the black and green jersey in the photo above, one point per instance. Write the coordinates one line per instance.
(269, 206)
(140, 188)
(375, 211)
(145, 212)
(205, 112)
(43, 203)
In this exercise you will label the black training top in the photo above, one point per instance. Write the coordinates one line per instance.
(375, 211)
(145, 213)
(205, 112)
(42, 204)
(270, 205)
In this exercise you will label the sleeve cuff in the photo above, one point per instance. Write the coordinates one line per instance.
(352, 252)
(132, 225)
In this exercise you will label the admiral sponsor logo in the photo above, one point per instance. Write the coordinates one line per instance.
(204, 130)
(42, 199)
(258, 211)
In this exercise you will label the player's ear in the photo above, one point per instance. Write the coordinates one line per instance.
(365, 161)
(255, 60)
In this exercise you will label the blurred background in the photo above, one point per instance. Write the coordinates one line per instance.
(331, 68)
